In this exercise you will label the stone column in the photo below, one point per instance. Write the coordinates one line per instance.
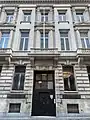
(79, 44)
(50, 16)
(10, 38)
(86, 15)
(74, 14)
(37, 39)
(38, 16)
(15, 15)
(3, 14)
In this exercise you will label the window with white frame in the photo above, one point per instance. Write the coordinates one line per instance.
(27, 16)
(19, 78)
(69, 80)
(72, 108)
(85, 40)
(44, 40)
(80, 16)
(9, 17)
(4, 39)
(44, 16)
(64, 40)
(24, 41)
(62, 15)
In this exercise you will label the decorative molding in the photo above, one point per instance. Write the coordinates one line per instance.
(44, 1)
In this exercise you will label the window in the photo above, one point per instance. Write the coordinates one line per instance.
(24, 41)
(64, 41)
(27, 16)
(19, 77)
(80, 16)
(44, 80)
(69, 80)
(62, 16)
(84, 40)
(44, 40)
(0, 69)
(9, 17)
(88, 70)
(14, 107)
(4, 39)
(44, 16)
(72, 108)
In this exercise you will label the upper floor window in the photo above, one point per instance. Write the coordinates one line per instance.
(4, 39)
(69, 80)
(64, 40)
(24, 41)
(80, 16)
(84, 40)
(62, 15)
(44, 16)
(44, 40)
(72, 108)
(19, 77)
(9, 17)
(27, 16)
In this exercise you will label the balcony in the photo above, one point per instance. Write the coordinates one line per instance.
(83, 55)
(83, 52)
(44, 23)
(50, 52)
(5, 54)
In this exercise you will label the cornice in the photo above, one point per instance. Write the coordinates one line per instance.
(45, 1)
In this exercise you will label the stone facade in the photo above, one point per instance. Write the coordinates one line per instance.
(51, 58)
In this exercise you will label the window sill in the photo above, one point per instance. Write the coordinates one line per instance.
(25, 22)
(71, 91)
(63, 22)
(17, 91)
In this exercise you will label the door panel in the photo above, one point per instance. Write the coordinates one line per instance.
(44, 95)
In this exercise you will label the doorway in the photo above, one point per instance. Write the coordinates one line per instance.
(44, 94)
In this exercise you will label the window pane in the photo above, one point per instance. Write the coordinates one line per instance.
(88, 43)
(6, 42)
(83, 43)
(44, 76)
(62, 44)
(15, 82)
(67, 44)
(42, 44)
(46, 43)
(66, 86)
(21, 44)
(50, 85)
(38, 77)
(21, 87)
(14, 107)
(24, 34)
(50, 76)
(26, 44)
(72, 108)
(1, 42)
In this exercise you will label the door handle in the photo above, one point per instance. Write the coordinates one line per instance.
(54, 101)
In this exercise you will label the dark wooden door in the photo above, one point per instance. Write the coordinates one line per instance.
(44, 95)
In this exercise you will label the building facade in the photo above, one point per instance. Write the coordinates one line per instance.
(45, 58)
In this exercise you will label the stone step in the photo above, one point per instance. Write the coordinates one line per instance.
(16, 116)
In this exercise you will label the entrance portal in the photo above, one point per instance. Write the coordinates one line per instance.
(43, 94)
